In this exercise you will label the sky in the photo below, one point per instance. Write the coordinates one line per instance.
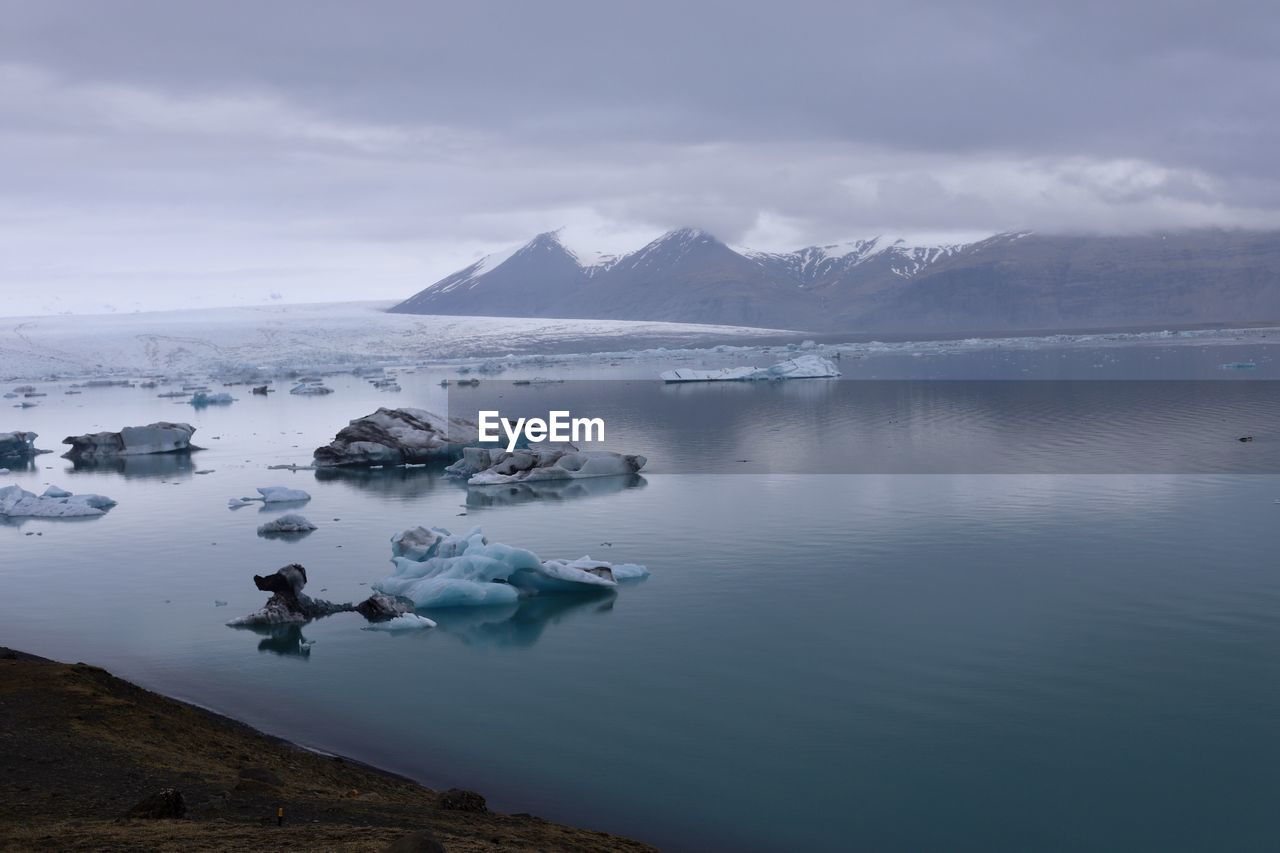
(158, 155)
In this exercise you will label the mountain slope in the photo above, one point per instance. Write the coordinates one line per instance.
(1012, 281)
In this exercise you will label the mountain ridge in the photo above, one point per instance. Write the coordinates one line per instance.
(1011, 281)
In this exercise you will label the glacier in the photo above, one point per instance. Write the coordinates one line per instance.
(435, 568)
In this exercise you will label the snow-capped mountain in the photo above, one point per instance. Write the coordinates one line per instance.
(1013, 280)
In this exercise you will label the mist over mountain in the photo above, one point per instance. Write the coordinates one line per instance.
(1007, 282)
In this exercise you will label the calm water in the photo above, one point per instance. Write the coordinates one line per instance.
(975, 661)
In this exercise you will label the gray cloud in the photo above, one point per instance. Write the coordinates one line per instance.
(162, 154)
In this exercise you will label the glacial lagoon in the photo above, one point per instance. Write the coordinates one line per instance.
(979, 657)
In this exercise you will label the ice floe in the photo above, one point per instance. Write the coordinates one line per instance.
(200, 399)
(801, 367)
(455, 571)
(403, 622)
(160, 437)
(16, 502)
(272, 495)
(18, 445)
(286, 524)
(483, 466)
(395, 437)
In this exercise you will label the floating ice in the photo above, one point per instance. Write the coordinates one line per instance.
(403, 622)
(281, 494)
(310, 389)
(162, 437)
(18, 445)
(485, 466)
(200, 399)
(16, 502)
(802, 367)
(455, 571)
(271, 495)
(285, 524)
(395, 437)
(56, 492)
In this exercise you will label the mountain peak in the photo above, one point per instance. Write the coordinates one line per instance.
(687, 235)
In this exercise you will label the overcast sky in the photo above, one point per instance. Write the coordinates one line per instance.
(169, 154)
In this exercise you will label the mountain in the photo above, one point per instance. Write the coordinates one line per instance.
(1008, 282)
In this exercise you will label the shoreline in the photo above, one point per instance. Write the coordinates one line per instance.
(81, 748)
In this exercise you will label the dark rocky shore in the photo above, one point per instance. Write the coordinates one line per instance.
(91, 762)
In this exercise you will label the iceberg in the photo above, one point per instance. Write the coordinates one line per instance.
(18, 445)
(483, 466)
(395, 437)
(403, 622)
(434, 568)
(16, 502)
(286, 524)
(200, 399)
(802, 367)
(310, 389)
(281, 494)
(161, 437)
(271, 495)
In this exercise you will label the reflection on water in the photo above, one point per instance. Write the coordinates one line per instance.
(386, 482)
(285, 640)
(480, 497)
(520, 624)
(152, 465)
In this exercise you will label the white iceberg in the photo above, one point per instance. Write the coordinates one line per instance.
(403, 622)
(485, 466)
(803, 367)
(271, 495)
(458, 571)
(281, 494)
(16, 502)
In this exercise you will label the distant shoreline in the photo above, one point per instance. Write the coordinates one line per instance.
(80, 748)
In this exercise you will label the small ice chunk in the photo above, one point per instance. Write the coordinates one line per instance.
(403, 622)
(802, 367)
(416, 543)
(290, 523)
(281, 494)
(200, 399)
(56, 492)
